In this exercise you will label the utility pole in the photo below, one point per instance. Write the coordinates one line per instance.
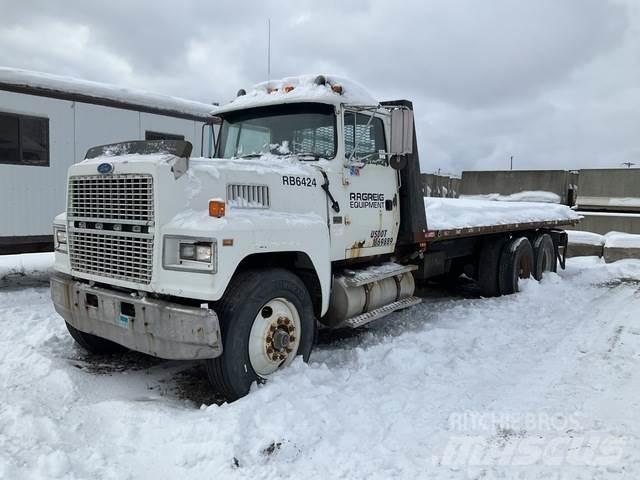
(511, 162)
(269, 49)
(628, 164)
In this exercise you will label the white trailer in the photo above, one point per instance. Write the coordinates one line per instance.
(48, 122)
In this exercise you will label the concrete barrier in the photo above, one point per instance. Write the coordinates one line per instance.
(621, 246)
(605, 222)
(507, 182)
(585, 244)
(615, 189)
(440, 185)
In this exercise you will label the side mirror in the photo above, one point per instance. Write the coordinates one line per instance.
(401, 131)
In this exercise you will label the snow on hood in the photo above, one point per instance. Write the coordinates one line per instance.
(267, 163)
(58, 83)
(304, 89)
(116, 157)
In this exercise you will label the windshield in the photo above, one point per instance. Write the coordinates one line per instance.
(304, 129)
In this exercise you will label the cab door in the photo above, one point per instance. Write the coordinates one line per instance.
(369, 203)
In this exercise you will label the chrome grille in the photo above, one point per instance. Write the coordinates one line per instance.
(110, 226)
(125, 257)
(127, 198)
(248, 196)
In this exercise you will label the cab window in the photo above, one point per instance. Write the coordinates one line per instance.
(364, 134)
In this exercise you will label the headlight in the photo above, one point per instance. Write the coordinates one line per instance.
(199, 252)
(190, 254)
(60, 239)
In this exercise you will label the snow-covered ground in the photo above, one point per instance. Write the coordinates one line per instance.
(542, 384)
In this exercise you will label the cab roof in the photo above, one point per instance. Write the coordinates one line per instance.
(334, 90)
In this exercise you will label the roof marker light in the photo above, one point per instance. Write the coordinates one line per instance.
(288, 88)
(320, 80)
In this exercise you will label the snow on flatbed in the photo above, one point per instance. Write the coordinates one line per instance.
(461, 213)
(544, 383)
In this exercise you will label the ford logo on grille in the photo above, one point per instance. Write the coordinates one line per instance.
(105, 168)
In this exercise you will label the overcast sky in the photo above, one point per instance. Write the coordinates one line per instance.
(555, 83)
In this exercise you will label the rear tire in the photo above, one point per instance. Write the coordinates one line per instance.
(488, 264)
(263, 314)
(516, 262)
(544, 255)
(94, 344)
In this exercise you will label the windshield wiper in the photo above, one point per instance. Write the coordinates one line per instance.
(309, 155)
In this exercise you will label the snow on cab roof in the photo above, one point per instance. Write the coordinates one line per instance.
(57, 86)
(304, 88)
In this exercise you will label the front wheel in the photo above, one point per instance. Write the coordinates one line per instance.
(267, 319)
(93, 344)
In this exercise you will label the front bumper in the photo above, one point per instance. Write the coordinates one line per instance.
(155, 327)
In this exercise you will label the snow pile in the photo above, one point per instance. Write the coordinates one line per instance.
(26, 264)
(622, 240)
(457, 213)
(585, 238)
(304, 89)
(58, 83)
(546, 381)
(525, 196)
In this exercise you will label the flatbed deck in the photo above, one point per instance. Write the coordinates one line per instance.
(449, 218)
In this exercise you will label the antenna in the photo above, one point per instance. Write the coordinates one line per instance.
(269, 49)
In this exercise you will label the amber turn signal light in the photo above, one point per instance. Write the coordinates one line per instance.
(217, 208)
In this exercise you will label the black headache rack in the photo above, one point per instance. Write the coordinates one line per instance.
(413, 218)
(179, 148)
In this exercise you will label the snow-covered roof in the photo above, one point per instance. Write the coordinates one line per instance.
(58, 86)
(305, 89)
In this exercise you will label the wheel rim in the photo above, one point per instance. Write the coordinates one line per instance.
(547, 261)
(275, 336)
(524, 267)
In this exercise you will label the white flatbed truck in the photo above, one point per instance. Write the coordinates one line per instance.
(309, 217)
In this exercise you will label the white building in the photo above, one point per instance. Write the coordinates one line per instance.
(47, 123)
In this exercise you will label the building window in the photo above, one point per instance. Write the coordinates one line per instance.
(162, 136)
(24, 140)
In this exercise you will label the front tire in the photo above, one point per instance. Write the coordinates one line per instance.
(94, 344)
(266, 318)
